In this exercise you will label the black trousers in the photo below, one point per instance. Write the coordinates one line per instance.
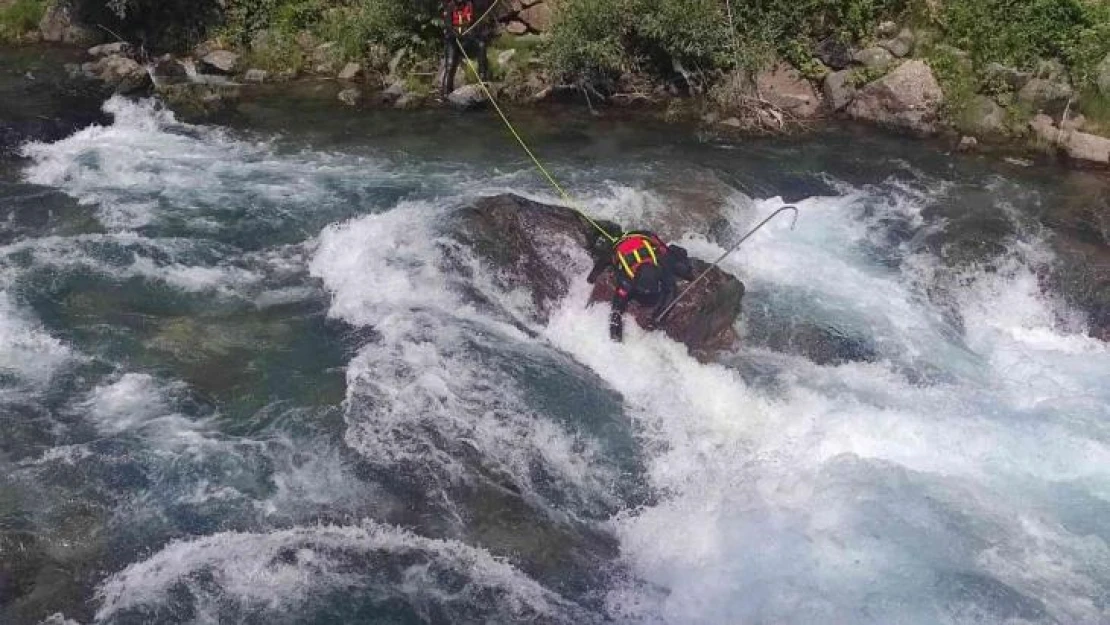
(452, 57)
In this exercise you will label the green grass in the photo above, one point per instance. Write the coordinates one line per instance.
(1096, 108)
(20, 18)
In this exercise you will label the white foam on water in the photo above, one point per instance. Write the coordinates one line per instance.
(163, 260)
(432, 391)
(283, 570)
(129, 402)
(27, 351)
(849, 493)
(146, 167)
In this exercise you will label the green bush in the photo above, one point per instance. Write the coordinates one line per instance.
(588, 38)
(20, 18)
(1020, 32)
(592, 39)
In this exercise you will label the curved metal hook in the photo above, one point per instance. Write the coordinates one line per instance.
(662, 315)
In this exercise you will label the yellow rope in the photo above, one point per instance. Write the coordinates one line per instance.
(551, 179)
(479, 21)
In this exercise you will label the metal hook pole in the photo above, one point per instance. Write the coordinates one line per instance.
(735, 247)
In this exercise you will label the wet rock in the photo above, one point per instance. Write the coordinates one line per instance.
(221, 61)
(350, 96)
(786, 88)
(1102, 76)
(199, 100)
(983, 116)
(967, 144)
(901, 45)
(874, 58)
(532, 245)
(168, 70)
(58, 25)
(256, 75)
(839, 90)
(1086, 147)
(1080, 146)
(122, 74)
(1047, 94)
(467, 97)
(350, 72)
(908, 98)
(1013, 78)
(834, 53)
(110, 49)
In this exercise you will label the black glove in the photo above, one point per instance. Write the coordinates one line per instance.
(616, 327)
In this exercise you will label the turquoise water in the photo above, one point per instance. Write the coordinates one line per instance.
(249, 375)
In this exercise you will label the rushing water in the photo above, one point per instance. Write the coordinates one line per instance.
(247, 375)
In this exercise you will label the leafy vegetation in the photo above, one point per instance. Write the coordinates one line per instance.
(19, 18)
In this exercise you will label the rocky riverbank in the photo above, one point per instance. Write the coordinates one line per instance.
(905, 76)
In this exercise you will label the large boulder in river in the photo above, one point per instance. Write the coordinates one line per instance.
(786, 88)
(539, 249)
(908, 98)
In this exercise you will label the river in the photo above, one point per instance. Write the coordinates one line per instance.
(242, 381)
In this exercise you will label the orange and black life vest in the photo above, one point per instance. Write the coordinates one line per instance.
(635, 249)
(462, 16)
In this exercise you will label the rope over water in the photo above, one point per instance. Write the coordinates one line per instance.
(516, 135)
(663, 315)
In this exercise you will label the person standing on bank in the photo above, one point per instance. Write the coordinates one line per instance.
(468, 24)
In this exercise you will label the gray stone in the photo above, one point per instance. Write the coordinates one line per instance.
(1102, 77)
(984, 116)
(256, 75)
(887, 29)
(967, 144)
(908, 98)
(1051, 69)
(408, 101)
(1045, 94)
(839, 90)
(168, 70)
(324, 58)
(1074, 122)
(505, 57)
(108, 49)
(223, 61)
(1087, 147)
(732, 122)
(350, 96)
(470, 96)
(350, 72)
(834, 53)
(1012, 77)
(786, 88)
(58, 25)
(510, 234)
(395, 62)
(395, 90)
(124, 75)
(1044, 128)
(874, 58)
(901, 45)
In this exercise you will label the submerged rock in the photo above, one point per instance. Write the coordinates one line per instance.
(539, 248)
